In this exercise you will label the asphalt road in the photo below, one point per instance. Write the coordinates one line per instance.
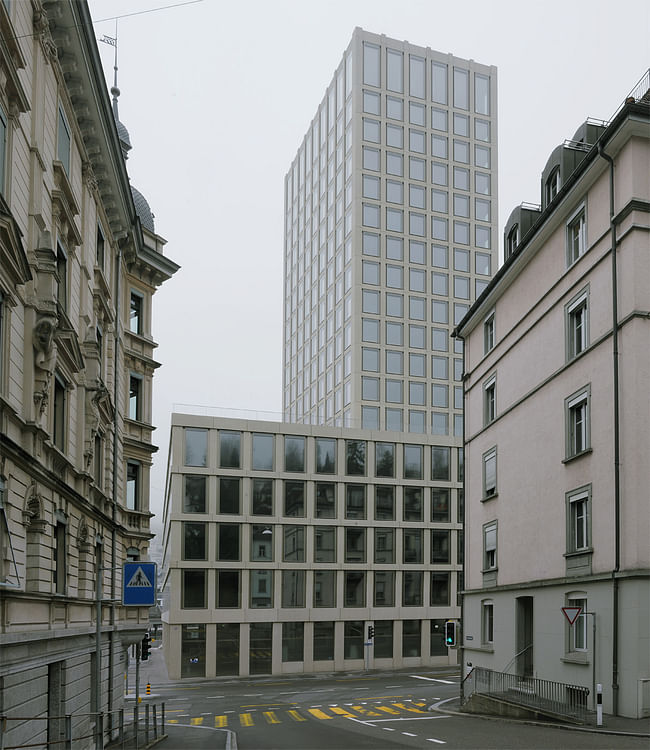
(378, 711)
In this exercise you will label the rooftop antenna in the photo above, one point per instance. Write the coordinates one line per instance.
(112, 41)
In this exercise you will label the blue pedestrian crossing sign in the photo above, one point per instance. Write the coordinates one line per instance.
(139, 584)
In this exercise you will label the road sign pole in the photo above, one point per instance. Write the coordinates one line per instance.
(136, 712)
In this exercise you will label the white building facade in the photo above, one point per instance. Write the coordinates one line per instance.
(390, 234)
(285, 542)
(557, 426)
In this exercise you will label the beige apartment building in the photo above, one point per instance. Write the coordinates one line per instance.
(285, 542)
(79, 263)
(557, 426)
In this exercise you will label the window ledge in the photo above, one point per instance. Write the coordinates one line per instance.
(489, 570)
(579, 552)
(568, 459)
(576, 658)
(486, 498)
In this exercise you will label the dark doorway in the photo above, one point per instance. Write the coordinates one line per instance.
(524, 645)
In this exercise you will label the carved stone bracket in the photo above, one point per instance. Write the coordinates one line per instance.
(33, 510)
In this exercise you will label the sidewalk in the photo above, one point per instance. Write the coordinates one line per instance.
(611, 724)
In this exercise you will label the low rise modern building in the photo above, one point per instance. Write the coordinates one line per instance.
(79, 263)
(284, 543)
(557, 427)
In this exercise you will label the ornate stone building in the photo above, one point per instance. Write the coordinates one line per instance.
(79, 263)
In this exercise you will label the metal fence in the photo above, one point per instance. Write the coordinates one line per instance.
(57, 732)
(558, 698)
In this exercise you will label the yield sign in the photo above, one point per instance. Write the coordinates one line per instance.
(571, 613)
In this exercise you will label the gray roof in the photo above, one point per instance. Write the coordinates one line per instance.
(142, 209)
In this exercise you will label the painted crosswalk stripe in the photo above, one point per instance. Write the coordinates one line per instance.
(365, 711)
(246, 720)
(271, 717)
(196, 721)
(340, 711)
(296, 716)
(439, 742)
(388, 710)
(408, 708)
(172, 721)
(220, 721)
(319, 714)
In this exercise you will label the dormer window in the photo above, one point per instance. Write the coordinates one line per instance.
(512, 240)
(552, 185)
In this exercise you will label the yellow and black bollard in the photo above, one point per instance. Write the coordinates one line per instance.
(148, 688)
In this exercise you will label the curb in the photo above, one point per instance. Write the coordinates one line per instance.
(532, 722)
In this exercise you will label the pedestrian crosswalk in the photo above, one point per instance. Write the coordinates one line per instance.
(367, 712)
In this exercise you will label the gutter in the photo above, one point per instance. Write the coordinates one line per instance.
(617, 455)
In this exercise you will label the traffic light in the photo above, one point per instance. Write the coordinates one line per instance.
(371, 632)
(144, 652)
(450, 634)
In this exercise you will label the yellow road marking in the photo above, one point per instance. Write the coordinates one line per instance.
(296, 716)
(220, 721)
(196, 721)
(365, 711)
(172, 721)
(407, 708)
(319, 714)
(341, 711)
(246, 720)
(271, 717)
(420, 704)
(387, 709)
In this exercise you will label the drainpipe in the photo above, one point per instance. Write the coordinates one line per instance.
(617, 456)
(116, 394)
(461, 634)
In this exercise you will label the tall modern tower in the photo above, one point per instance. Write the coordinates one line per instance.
(390, 235)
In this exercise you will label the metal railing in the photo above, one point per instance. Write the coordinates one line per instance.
(148, 725)
(557, 698)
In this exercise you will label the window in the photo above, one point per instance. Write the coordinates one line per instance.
(355, 457)
(355, 544)
(384, 504)
(440, 463)
(324, 588)
(135, 313)
(490, 546)
(63, 142)
(293, 641)
(59, 414)
(487, 623)
(355, 501)
(324, 641)
(440, 506)
(440, 546)
(481, 94)
(577, 422)
(228, 541)
(355, 588)
(194, 540)
(439, 82)
(461, 88)
(371, 158)
(411, 638)
(413, 505)
(229, 494)
(370, 243)
(579, 520)
(552, 185)
(325, 500)
(371, 66)
(324, 544)
(262, 500)
(394, 108)
(412, 546)
(394, 248)
(294, 499)
(578, 631)
(135, 397)
(293, 544)
(353, 640)
(99, 246)
(229, 450)
(383, 641)
(194, 494)
(60, 554)
(371, 130)
(196, 447)
(489, 400)
(394, 71)
(488, 333)
(576, 236)
(193, 589)
(576, 314)
(293, 588)
(132, 485)
(61, 276)
(440, 589)
(490, 473)
(512, 240)
(294, 453)
(261, 586)
(325, 455)
(395, 136)
(413, 466)
(262, 452)
(228, 588)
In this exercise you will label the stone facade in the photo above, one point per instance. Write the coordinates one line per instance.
(79, 264)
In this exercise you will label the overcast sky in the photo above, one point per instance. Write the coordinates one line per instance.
(217, 97)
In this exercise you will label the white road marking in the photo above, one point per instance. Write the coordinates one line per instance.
(440, 742)
(393, 686)
(211, 697)
(388, 729)
(408, 718)
(432, 679)
(252, 695)
(409, 734)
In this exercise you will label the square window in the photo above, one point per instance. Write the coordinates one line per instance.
(483, 236)
(440, 339)
(417, 114)
(385, 467)
(394, 305)
(417, 169)
(417, 224)
(489, 401)
(370, 359)
(395, 277)
(394, 334)
(394, 108)
(417, 365)
(394, 364)
(483, 264)
(461, 287)
(395, 136)
(417, 141)
(370, 330)
(482, 130)
(461, 260)
(482, 209)
(440, 463)
(439, 146)
(370, 272)
(370, 186)
(394, 220)
(482, 183)
(394, 192)
(439, 201)
(439, 423)
(417, 280)
(461, 124)
(460, 311)
(394, 163)
(371, 215)
(438, 173)
(461, 178)
(370, 301)
(394, 391)
(417, 308)
(394, 248)
(440, 367)
(371, 130)
(416, 336)
(439, 256)
(440, 396)
(370, 389)
(461, 232)
(417, 252)
(439, 311)
(371, 158)
(461, 205)
(394, 420)
(482, 156)
(355, 500)
(370, 243)
(439, 119)
(371, 103)
(461, 151)
(439, 228)
(417, 394)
